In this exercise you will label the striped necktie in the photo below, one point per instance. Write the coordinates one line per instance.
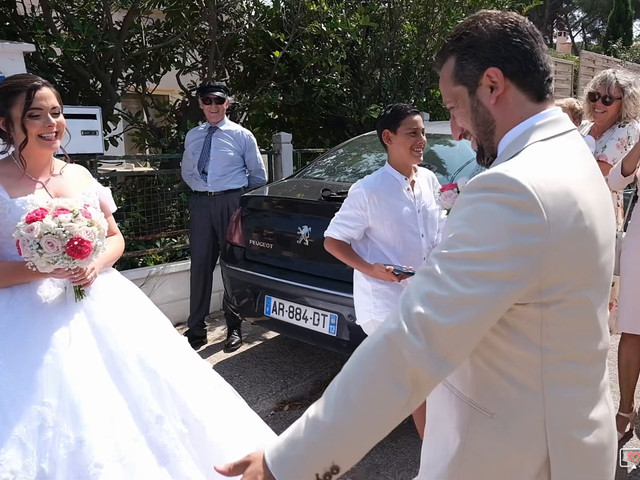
(205, 154)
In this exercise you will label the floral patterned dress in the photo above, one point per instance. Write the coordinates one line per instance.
(610, 148)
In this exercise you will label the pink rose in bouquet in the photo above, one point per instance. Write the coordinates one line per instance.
(61, 234)
(449, 192)
(79, 248)
(36, 215)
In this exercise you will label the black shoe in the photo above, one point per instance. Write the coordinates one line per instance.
(234, 340)
(196, 340)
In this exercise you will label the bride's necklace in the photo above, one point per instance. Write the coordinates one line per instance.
(42, 183)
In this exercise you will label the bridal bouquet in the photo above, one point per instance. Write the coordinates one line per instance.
(449, 192)
(61, 234)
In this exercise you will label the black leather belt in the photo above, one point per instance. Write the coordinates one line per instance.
(213, 194)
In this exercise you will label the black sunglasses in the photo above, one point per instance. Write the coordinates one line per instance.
(607, 100)
(210, 100)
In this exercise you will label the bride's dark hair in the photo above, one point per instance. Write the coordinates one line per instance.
(10, 90)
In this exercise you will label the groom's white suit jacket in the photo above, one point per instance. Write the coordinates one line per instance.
(505, 328)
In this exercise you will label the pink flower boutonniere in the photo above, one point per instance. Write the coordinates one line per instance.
(449, 194)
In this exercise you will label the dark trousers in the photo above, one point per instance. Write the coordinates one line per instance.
(208, 222)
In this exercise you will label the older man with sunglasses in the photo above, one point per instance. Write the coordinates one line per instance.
(221, 159)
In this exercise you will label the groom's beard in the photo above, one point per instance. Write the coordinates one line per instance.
(485, 128)
(483, 159)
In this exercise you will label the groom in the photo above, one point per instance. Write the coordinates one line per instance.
(505, 328)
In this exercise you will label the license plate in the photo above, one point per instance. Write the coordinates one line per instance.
(311, 318)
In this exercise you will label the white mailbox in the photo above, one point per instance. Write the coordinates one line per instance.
(84, 130)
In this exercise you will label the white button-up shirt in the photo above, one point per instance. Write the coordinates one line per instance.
(385, 221)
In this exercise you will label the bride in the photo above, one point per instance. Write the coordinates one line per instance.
(103, 388)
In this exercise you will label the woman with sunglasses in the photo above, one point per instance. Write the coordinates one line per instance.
(612, 104)
(612, 107)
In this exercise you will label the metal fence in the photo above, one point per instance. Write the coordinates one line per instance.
(152, 205)
(153, 202)
(302, 156)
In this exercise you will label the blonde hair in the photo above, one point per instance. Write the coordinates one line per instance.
(573, 108)
(626, 82)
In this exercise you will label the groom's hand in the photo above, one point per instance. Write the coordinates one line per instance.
(251, 467)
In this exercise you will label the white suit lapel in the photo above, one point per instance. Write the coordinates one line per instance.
(543, 130)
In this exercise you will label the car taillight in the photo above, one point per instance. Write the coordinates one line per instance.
(234, 232)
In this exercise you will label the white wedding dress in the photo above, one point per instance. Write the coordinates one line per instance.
(105, 388)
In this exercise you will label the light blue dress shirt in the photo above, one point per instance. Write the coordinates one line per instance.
(235, 160)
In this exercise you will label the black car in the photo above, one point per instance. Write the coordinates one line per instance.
(274, 266)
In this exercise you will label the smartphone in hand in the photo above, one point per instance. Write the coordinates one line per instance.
(398, 270)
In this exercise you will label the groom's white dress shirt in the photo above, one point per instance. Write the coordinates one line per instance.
(504, 328)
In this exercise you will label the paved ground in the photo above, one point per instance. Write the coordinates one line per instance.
(280, 377)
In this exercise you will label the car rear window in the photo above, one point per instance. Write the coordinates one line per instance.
(360, 156)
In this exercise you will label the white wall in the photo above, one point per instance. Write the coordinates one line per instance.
(12, 60)
(12, 57)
